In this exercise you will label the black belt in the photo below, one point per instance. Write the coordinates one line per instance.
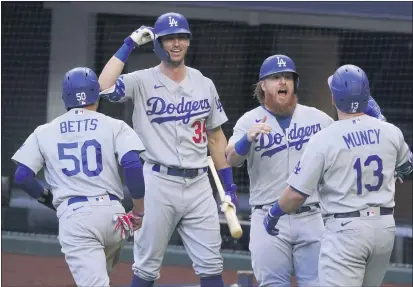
(298, 211)
(383, 211)
(182, 172)
(84, 198)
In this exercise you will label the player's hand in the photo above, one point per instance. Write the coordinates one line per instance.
(258, 128)
(47, 199)
(270, 222)
(399, 177)
(373, 110)
(141, 36)
(128, 223)
(231, 197)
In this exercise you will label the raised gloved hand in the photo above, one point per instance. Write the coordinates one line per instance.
(373, 110)
(141, 36)
(128, 223)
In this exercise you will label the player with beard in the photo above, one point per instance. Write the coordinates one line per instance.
(272, 138)
(178, 115)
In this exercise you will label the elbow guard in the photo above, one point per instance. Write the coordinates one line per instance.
(115, 93)
(26, 177)
(22, 174)
(132, 170)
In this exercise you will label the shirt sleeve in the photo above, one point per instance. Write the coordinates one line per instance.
(127, 140)
(240, 129)
(309, 169)
(29, 153)
(217, 116)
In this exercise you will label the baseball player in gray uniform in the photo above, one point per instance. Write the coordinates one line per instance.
(272, 138)
(80, 151)
(178, 115)
(351, 164)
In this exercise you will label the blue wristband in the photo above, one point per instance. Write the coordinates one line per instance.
(242, 147)
(226, 176)
(276, 210)
(124, 52)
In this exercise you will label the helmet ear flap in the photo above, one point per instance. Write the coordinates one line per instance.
(159, 51)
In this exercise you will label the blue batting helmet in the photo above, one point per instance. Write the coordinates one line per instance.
(80, 88)
(278, 64)
(350, 88)
(168, 24)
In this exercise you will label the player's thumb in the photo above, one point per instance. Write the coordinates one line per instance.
(264, 119)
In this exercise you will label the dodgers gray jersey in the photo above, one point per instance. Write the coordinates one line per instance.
(272, 157)
(354, 161)
(80, 151)
(173, 119)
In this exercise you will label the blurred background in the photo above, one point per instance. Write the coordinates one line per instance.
(42, 40)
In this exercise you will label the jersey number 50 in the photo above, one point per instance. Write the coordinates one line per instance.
(63, 147)
(377, 173)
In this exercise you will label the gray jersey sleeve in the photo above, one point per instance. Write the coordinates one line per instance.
(29, 153)
(132, 85)
(217, 116)
(127, 140)
(309, 170)
(240, 129)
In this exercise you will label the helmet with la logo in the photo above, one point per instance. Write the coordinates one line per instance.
(168, 24)
(278, 64)
(171, 23)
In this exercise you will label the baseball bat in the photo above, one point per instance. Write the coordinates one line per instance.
(230, 216)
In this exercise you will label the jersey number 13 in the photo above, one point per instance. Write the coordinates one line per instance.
(376, 173)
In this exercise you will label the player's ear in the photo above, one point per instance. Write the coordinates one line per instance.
(262, 85)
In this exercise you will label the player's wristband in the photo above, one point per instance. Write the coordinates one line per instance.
(124, 52)
(242, 147)
(276, 210)
(226, 176)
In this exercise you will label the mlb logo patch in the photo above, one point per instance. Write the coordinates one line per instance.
(79, 112)
(100, 198)
(356, 121)
(370, 213)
